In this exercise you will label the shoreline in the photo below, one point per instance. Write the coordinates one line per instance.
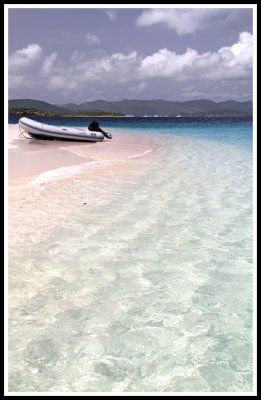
(76, 116)
(30, 159)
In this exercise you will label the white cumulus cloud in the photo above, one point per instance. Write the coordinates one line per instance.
(166, 63)
(25, 57)
(80, 72)
(228, 62)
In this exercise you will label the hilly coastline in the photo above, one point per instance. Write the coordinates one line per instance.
(161, 108)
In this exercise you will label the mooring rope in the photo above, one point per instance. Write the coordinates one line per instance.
(21, 135)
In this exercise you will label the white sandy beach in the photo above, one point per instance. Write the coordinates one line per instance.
(28, 158)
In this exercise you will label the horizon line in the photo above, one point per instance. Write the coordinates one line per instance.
(133, 99)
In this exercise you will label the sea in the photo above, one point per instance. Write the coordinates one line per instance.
(140, 279)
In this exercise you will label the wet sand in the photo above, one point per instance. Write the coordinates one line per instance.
(28, 158)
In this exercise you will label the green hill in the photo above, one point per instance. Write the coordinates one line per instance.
(143, 107)
(36, 104)
(166, 108)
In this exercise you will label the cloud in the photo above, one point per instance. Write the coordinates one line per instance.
(25, 57)
(190, 20)
(17, 81)
(92, 39)
(48, 63)
(77, 56)
(234, 62)
(112, 14)
(56, 82)
(132, 70)
(139, 88)
(117, 67)
(227, 62)
(165, 63)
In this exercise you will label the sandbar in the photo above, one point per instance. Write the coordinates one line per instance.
(28, 157)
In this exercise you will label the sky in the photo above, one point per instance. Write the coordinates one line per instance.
(73, 55)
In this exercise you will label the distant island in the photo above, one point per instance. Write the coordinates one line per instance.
(137, 108)
(35, 111)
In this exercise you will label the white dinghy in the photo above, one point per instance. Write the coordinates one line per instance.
(39, 130)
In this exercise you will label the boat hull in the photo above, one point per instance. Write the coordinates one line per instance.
(39, 130)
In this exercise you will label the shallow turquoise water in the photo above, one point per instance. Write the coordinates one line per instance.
(139, 281)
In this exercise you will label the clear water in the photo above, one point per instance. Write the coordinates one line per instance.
(138, 281)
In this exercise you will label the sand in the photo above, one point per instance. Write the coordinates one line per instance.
(28, 158)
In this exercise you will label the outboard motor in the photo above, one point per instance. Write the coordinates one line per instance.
(94, 126)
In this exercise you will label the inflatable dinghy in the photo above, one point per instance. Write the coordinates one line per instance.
(39, 130)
